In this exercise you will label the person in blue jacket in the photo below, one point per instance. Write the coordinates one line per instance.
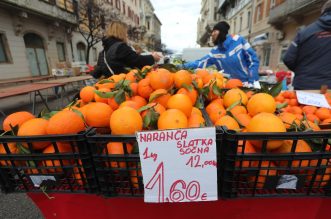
(232, 54)
(309, 55)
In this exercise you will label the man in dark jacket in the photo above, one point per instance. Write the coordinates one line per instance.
(309, 55)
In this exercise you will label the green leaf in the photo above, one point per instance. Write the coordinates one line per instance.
(47, 116)
(281, 105)
(105, 94)
(80, 114)
(155, 97)
(22, 149)
(119, 97)
(205, 91)
(233, 105)
(200, 102)
(195, 85)
(143, 108)
(216, 90)
(276, 89)
(105, 81)
(187, 87)
(147, 120)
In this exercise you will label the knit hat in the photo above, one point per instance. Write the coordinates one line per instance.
(223, 27)
(326, 7)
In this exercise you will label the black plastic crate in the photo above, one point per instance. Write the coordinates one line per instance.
(246, 171)
(117, 163)
(120, 174)
(68, 166)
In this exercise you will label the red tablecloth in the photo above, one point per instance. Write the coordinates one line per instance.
(92, 206)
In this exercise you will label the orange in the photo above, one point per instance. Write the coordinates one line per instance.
(218, 101)
(215, 111)
(182, 77)
(243, 119)
(234, 95)
(117, 148)
(249, 149)
(323, 113)
(181, 102)
(197, 80)
(238, 110)
(202, 73)
(54, 165)
(65, 122)
(326, 121)
(130, 103)
(228, 122)
(311, 125)
(97, 98)
(268, 168)
(117, 78)
(261, 102)
(87, 94)
(280, 98)
(286, 147)
(160, 96)
(309, 109)
(139, 100)
(161, 79)
(157, 108)
(134, 88)
(295, 110)
(12, 149)
(293, 102)
(288, 119)
(125, 120)
(131, 75)
(196, 121)
(36, 126)
(313, 118)
(233, 83)
(98, 114)
(113, 104)
(192, 94)
(196, 111)
(135, 174)
(144, 88)
(172, 119)
(266, 122)
(109, 85)
(17, 118)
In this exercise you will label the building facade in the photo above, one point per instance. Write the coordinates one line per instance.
(37, 36)
(208, 18)
(269, 25)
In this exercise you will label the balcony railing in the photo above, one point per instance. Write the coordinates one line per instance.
(64, 9)
(292, 8)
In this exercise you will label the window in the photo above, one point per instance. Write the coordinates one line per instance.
(123, 8)
(272, 3)
(118, 4)
(266, 51)
(60, 51)
(5, 56)
(248, 19)
(81, 52)
(95, 54)
(234, 27)
(148, 25)
(282, 53)
(258, 13)
(67, 5)
(240, 23)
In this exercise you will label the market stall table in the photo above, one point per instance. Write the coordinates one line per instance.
(33, 88)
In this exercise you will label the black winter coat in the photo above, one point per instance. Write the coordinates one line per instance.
(309, 55)
(119, 57)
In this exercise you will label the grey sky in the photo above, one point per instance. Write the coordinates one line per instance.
(179, 22)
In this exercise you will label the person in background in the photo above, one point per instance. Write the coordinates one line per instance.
(117, 55)
(232, 54)
(309, 55)
(138, 49)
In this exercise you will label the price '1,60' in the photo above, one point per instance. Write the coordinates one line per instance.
(179, 190)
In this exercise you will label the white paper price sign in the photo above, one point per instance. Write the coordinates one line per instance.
(179, 165)
(312, 99)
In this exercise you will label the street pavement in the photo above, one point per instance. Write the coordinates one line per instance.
(19, 205)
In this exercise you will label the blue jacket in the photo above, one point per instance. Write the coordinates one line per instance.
(235, 56)
(309, 55)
